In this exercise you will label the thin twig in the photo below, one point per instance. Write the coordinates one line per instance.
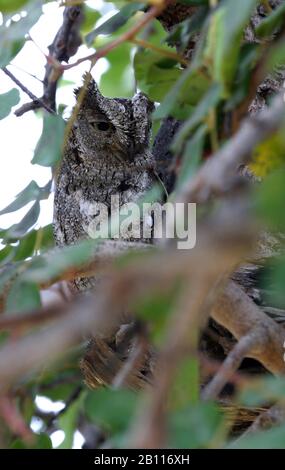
(229, 367)
(38, 102)
(128, 35)
(160, 50)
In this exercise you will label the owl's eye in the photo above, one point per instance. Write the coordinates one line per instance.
(103, 126)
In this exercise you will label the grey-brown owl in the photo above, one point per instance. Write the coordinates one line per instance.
(107, 154)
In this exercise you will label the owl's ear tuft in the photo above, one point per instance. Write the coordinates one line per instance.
(89, 89)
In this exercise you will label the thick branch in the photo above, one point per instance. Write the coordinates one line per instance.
(242, 317)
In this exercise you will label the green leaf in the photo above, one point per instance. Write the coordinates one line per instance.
(209, 101)
(196, 427)
(186, 386)
(26, 246)
(43, 441)
(188, 90)
(181, 34)
(68, 422)
(271, 439)
(120, 67)
(115, 22)
(155, 309)
(49, 147)
(155, 74)
(91, 17)
(31, 193)
(6, 254)
(7, 101)
(50, 265)
(192, 156)
(269, 199)
(23, 296)
(111, 409)
(263, 391)
(18, 230)
(224, 40)
(271, 23)
(46, 237)
(6, 6)
(7, 273)
(12, 34)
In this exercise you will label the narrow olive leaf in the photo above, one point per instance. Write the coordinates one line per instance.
(192, 156)
(23, 296)
(235, 18)
(26, 247)
(7, 6)
(48, 149)
(7, 101)
(68, 422)
(209, 101)
(12, 34)
(18, 230)
(50, 265)
(31, 193)
(271, 439)
(6, 254)
(115, 22)
(271, 23)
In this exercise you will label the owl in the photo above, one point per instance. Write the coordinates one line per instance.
(107, 155)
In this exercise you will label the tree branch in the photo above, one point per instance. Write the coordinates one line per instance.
(64, 46)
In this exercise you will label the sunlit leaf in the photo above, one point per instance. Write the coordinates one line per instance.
(91, 16)
(115, 22)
